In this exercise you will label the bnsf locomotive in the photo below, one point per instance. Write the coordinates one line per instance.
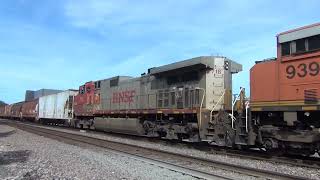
(192, 101)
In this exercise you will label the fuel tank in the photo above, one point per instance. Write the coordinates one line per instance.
(119, 125)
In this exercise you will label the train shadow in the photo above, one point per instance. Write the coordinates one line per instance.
(14, 156)
(6, 134)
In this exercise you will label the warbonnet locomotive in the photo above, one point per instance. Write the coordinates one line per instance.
(192, 101)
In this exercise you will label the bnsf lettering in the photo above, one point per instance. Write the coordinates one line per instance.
(302, 70)
(123, 96)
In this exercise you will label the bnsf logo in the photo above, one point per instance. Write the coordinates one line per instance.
(302, 70)
(123, 96)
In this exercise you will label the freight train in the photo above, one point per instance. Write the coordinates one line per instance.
(192, 100)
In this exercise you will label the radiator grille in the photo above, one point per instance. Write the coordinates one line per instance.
(311, 96)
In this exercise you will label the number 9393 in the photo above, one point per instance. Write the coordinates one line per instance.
(302, 70)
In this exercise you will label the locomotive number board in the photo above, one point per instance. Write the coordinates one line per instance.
(302, 70)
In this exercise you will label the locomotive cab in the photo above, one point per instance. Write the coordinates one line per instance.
(285, 92)
(85, 103)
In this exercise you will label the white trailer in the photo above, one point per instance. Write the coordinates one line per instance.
(57, 108)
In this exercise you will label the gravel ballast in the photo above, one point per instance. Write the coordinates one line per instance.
(28, 156)
(311, 173)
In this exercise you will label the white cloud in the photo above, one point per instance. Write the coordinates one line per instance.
(90, 13)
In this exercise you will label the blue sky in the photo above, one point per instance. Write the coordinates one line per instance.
(63, 43)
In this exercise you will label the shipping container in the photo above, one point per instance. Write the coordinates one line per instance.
(32, 95)
(45, 92)
(57, 108)
(29, 95)
(30, 110)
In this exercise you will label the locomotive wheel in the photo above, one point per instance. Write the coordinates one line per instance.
(272, 147)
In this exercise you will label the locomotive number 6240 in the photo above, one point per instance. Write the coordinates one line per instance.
(302, 70)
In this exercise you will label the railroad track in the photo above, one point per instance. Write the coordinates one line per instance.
(308, 162)
(174, 161)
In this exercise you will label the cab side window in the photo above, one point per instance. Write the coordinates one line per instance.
(301, 45)
(314, 43)
(285, 49)
(81, 90)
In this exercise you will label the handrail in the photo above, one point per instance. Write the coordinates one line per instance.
(200, 108)
(247, 107)
(232, 109)
(216, 104)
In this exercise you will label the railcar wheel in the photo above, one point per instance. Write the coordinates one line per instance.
(270, 144)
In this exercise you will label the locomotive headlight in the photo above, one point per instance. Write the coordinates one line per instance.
(226, 65)
(307, 114)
